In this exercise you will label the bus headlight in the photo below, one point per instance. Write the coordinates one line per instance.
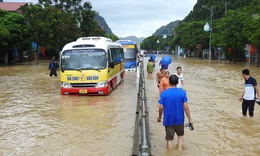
(65, 85)
(101, 84)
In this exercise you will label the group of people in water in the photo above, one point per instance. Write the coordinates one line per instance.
(162, 76)
(172, 102)
(162, 79)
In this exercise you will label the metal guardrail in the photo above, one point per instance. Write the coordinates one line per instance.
(142, 141)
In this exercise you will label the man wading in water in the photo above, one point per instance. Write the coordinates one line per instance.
(249, 95)
(53, 66)
(173, 104)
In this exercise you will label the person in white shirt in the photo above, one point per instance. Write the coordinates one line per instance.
(142, 53)
(181, 78)
(250, 94)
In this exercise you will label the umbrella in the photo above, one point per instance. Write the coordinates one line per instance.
(153, 57)
(166, 60)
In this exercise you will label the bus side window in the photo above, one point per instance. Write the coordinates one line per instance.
(117, 55)
(113, 55)
(109, 56)
(122, 54)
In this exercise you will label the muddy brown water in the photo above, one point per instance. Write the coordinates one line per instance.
(36, 120)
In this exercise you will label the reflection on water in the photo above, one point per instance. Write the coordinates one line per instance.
(36, 120)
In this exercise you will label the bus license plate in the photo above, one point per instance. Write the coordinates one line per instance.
(83, 91)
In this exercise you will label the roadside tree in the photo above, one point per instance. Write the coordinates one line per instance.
(13, 31)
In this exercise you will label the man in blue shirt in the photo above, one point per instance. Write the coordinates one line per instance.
(173, 104)
(249, 94)
(53, 67)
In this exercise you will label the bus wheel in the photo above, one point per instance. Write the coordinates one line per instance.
(110, 88)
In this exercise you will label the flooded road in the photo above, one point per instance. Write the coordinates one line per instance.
(213, 89)
(36, 120)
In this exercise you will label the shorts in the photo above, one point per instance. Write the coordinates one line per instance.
(171, 130)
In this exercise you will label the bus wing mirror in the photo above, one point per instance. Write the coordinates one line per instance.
(111, 64)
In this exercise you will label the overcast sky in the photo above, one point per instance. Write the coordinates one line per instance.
(141, 17)
(138, 17)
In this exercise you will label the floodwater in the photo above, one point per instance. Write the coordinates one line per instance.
(213, 90)
(36, 120)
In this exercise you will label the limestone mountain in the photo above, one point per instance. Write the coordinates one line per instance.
(103, 24)
(167, 29)
(133, 38)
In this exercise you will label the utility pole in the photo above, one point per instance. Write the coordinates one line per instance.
(226, 4)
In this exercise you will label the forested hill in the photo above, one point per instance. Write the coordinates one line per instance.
(167, 29)
(200, 13)
(218, 6)
(234, 24)
(102, 22)
(133, 38)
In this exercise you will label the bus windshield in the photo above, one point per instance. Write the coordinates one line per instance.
(129, 53)
(83, 59)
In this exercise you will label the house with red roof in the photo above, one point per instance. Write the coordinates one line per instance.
(12, 6)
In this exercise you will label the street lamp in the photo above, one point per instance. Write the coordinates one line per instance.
(210, 28)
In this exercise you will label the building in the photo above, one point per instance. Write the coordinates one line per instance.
(12, 6)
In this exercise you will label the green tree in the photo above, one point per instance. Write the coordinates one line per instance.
(252, 27)
(150, 43)
(89, 26)
(50, 27)
(199, 13)
(189, 34)
(52, 24)
(13, 31)
(230, 34)
(82, 12)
